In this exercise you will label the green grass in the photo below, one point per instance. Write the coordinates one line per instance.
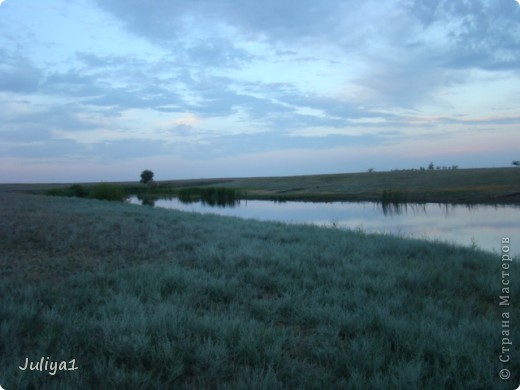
(153, 298)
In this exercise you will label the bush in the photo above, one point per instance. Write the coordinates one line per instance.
(74, 190)
(55, 192)
(106, 191)
(78, 190)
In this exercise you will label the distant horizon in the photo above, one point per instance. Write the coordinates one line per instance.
(95, 90)
(136, 179)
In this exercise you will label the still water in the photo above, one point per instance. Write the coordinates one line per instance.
(480, 225)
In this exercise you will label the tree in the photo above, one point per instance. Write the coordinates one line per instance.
(430, 167)
(146, 176)
(516, 163)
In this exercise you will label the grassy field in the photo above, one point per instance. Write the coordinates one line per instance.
(152, 299)
(492, 185)
(470, 186)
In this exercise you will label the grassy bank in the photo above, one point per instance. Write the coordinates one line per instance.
(149, 298)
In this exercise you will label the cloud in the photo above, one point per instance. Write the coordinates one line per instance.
(49, 149)
(479, 33)
(151, 97)
(18, 74)
(405, 50)
(216, 53)
(220, 146)
(187, 121)
(68, 117)
(205, 79)
(166, 20)
(124, 149)
(95, 61)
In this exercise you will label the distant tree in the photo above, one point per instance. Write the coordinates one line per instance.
(431, 166)
(146, 176)
(370, 169)
(516, 163)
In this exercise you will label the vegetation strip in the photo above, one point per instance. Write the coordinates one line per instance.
(467, 186)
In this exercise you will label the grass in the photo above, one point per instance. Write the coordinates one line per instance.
(101, 191)
(482, 185)
(463, 186)
(153, 298)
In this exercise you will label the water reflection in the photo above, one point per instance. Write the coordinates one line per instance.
(215, 202)
(210, 196)
(148, 201)
(391, 208)
(395, 208)
(484, 225)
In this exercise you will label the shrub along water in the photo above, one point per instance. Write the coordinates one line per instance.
(101, 191)
(74, 190)
(154, 298)
(213, 196)
(105, 191)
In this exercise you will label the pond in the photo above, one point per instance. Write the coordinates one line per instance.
(468, 225)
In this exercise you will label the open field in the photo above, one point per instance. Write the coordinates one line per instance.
(480, 185)
(456, 186)
(152, 298)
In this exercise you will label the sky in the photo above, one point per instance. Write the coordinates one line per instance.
(99, 90)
